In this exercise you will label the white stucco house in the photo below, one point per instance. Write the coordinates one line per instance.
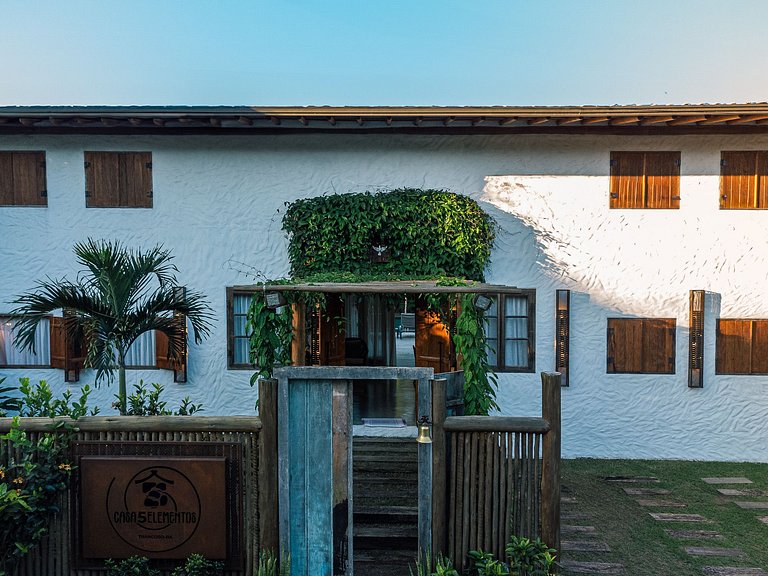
(645, 226)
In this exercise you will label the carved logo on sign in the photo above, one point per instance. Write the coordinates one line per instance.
(155, 507)
(160, 509)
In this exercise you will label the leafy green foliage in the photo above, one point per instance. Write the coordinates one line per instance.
(144, 402)
(430, 233)
(133, 566)
(38, 401)
(198, 565)
(530, 557)
(442, 566)
(33, 473)
(269, 332)
(8, 402)
(480, 381)
(269, 566)
(121, 294)
(486, 565)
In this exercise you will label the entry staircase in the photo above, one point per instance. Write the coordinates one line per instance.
(385, 489)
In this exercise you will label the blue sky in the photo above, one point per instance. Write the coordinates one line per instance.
(419, 52)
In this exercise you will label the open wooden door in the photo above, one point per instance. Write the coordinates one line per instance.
(433, 341)
(331, 333)
(68, 346)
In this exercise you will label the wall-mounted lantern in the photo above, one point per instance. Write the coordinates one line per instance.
(563, 334)
(482, 302)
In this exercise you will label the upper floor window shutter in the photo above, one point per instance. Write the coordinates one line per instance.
(22, 179)
(658, 345)
(118, 179)
(627, 180)
(734, 347)
(662, 171)
(625, 341)
(136, 179)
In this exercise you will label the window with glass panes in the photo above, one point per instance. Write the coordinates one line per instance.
(509, 332)
(237, 335)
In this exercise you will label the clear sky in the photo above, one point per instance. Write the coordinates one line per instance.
(360, 52)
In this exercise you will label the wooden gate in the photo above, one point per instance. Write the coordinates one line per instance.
(315, 463)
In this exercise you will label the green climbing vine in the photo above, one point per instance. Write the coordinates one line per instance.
(429, 234)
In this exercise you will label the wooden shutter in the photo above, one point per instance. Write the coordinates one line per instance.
(68, 347)
(658, 345)
(627, 180)
(432, 342)
(759, 347)
(163, 359)
(22, 179)
(696, 339)
(331, 331)
(136, 179)
(102, 179)
(625, 345)
(662, 171)
(734, 346)
(762, 180)
(738, 179)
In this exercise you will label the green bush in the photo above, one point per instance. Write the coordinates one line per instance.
(38, 401)
(133, 566)
(144, 402)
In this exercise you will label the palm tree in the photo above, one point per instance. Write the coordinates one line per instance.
(121, 294)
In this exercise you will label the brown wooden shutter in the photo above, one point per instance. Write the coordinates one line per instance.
(68, 347)
(163, 358)
(331, 331)
(432, 341)
(738, 179)
(759, 347)
(734, 346)
(7, 197)
(102, 179)
(136, 179)
(625, 345)
(627, 180)
(762, 180)
(662, 170)
(22, 179)
(659, 345)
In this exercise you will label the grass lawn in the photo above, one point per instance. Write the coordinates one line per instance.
(640, 542)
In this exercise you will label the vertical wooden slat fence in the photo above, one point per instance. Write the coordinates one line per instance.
(502, 477)
(55, 554)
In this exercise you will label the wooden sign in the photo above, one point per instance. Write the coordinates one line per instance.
(161, 508)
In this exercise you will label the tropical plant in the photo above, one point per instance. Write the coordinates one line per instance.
(133, 566)
(38, 401)
(8, 402)
(121, 294)
(530, 557)
(269, 566)
(143, 402)
(33, 473)
(199, 565)
(486, 565)
(442, 566)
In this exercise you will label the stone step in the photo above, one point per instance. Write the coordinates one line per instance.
(747, 492)
(752, 505)
(646, 491)
(695, 534)
(705, 551)
(649, 503)
(732, 571)
(583, 546)
(630, 479)
(575, 567)
(571, 530)
(672, 517)
(728, 480)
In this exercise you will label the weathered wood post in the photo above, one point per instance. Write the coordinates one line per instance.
(439, 468)
(268, 489)
(550, 472)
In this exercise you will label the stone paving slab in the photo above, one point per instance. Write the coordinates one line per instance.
(672, 517)
(646, 491)
(732, 571)
(580, 530)
(567, 499)
(763, 519)
(752, 505)
(747, 492)
(735, 480)
(591, 567)
(630, 479)
(703, 551)
(695, 534)
(584, 546)
(574, 516)
(660, 503)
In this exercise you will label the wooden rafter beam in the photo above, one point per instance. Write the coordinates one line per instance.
(448, 121)
(110, 122)
(418, 121)
(245, 120)
(568, 121)
(303, 121)
(537, 121)
(507, 121)
(624, 121)
(158, 122)
(135, 121)
(215, 122)
(719, 120)
(27, 121)
(360, 121)
(749, 118)
(683, 120)
(275, 120)
(332, 121)
(389, 120)
(595, 120)
(478, 121)
(652, 120)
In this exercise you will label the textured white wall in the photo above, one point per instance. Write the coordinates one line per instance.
(219, 199)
